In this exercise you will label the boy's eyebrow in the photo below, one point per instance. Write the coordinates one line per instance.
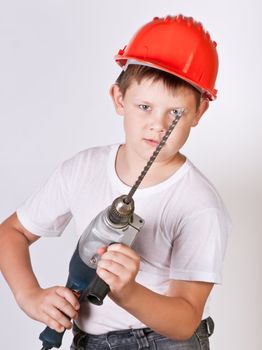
(150, 103)
(145, 102)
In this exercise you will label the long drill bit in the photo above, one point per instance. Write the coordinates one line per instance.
(178, 115)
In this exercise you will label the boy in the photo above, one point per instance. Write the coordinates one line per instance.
(159, 288)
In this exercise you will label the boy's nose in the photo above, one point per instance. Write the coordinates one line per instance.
(159, 123)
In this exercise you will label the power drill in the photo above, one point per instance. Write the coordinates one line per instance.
(116, 224)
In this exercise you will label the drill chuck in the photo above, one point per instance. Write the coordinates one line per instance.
(120, 211)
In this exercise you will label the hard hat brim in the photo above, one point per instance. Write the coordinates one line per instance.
(123, 62)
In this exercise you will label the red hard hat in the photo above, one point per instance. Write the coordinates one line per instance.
(178, 45)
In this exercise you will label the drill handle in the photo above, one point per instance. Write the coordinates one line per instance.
(97, 291)
(51, 338)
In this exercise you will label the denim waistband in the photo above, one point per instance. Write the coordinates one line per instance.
(141, 335)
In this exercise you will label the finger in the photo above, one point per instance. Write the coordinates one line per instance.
(67, 294)
(101, 250)
(119, 270)
(107, 276)
(65, 307)
(59, 317)
(124, 249)
(112, 266)
(55, 325)
(120, 258)
(52, 323)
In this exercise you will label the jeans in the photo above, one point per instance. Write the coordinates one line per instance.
(143, 338)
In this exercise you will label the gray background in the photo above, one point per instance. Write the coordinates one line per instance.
(56, 66)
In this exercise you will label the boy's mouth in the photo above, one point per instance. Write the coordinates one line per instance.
(151, 142)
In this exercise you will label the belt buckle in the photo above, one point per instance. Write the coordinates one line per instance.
(209, 326)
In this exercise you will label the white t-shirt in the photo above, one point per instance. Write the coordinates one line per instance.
(184, 236)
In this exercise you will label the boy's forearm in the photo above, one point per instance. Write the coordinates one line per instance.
(15, 263)
(172, 317)
(54, 306)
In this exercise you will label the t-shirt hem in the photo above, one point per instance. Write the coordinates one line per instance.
(32, 227)
(197, 276)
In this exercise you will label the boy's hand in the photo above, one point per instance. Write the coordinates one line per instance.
(118, 267)
(53, 306)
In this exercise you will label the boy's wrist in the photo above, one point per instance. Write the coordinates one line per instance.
(128, 298)
(23, 294)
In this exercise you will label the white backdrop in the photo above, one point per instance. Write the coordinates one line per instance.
(56, 66)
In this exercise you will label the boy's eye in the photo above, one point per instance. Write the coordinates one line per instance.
(144, 107)
(176, 110)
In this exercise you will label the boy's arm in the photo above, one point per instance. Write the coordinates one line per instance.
(175, 315)
(46, 305)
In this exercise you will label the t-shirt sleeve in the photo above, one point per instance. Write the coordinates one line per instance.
(199, 247)
(47, 211)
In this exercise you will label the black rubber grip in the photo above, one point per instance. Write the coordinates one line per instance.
(97, 291)
(51, 338)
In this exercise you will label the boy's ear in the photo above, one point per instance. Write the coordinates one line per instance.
(117, 98)
(204, 104)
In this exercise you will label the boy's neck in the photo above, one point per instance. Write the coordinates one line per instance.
(128, 168)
